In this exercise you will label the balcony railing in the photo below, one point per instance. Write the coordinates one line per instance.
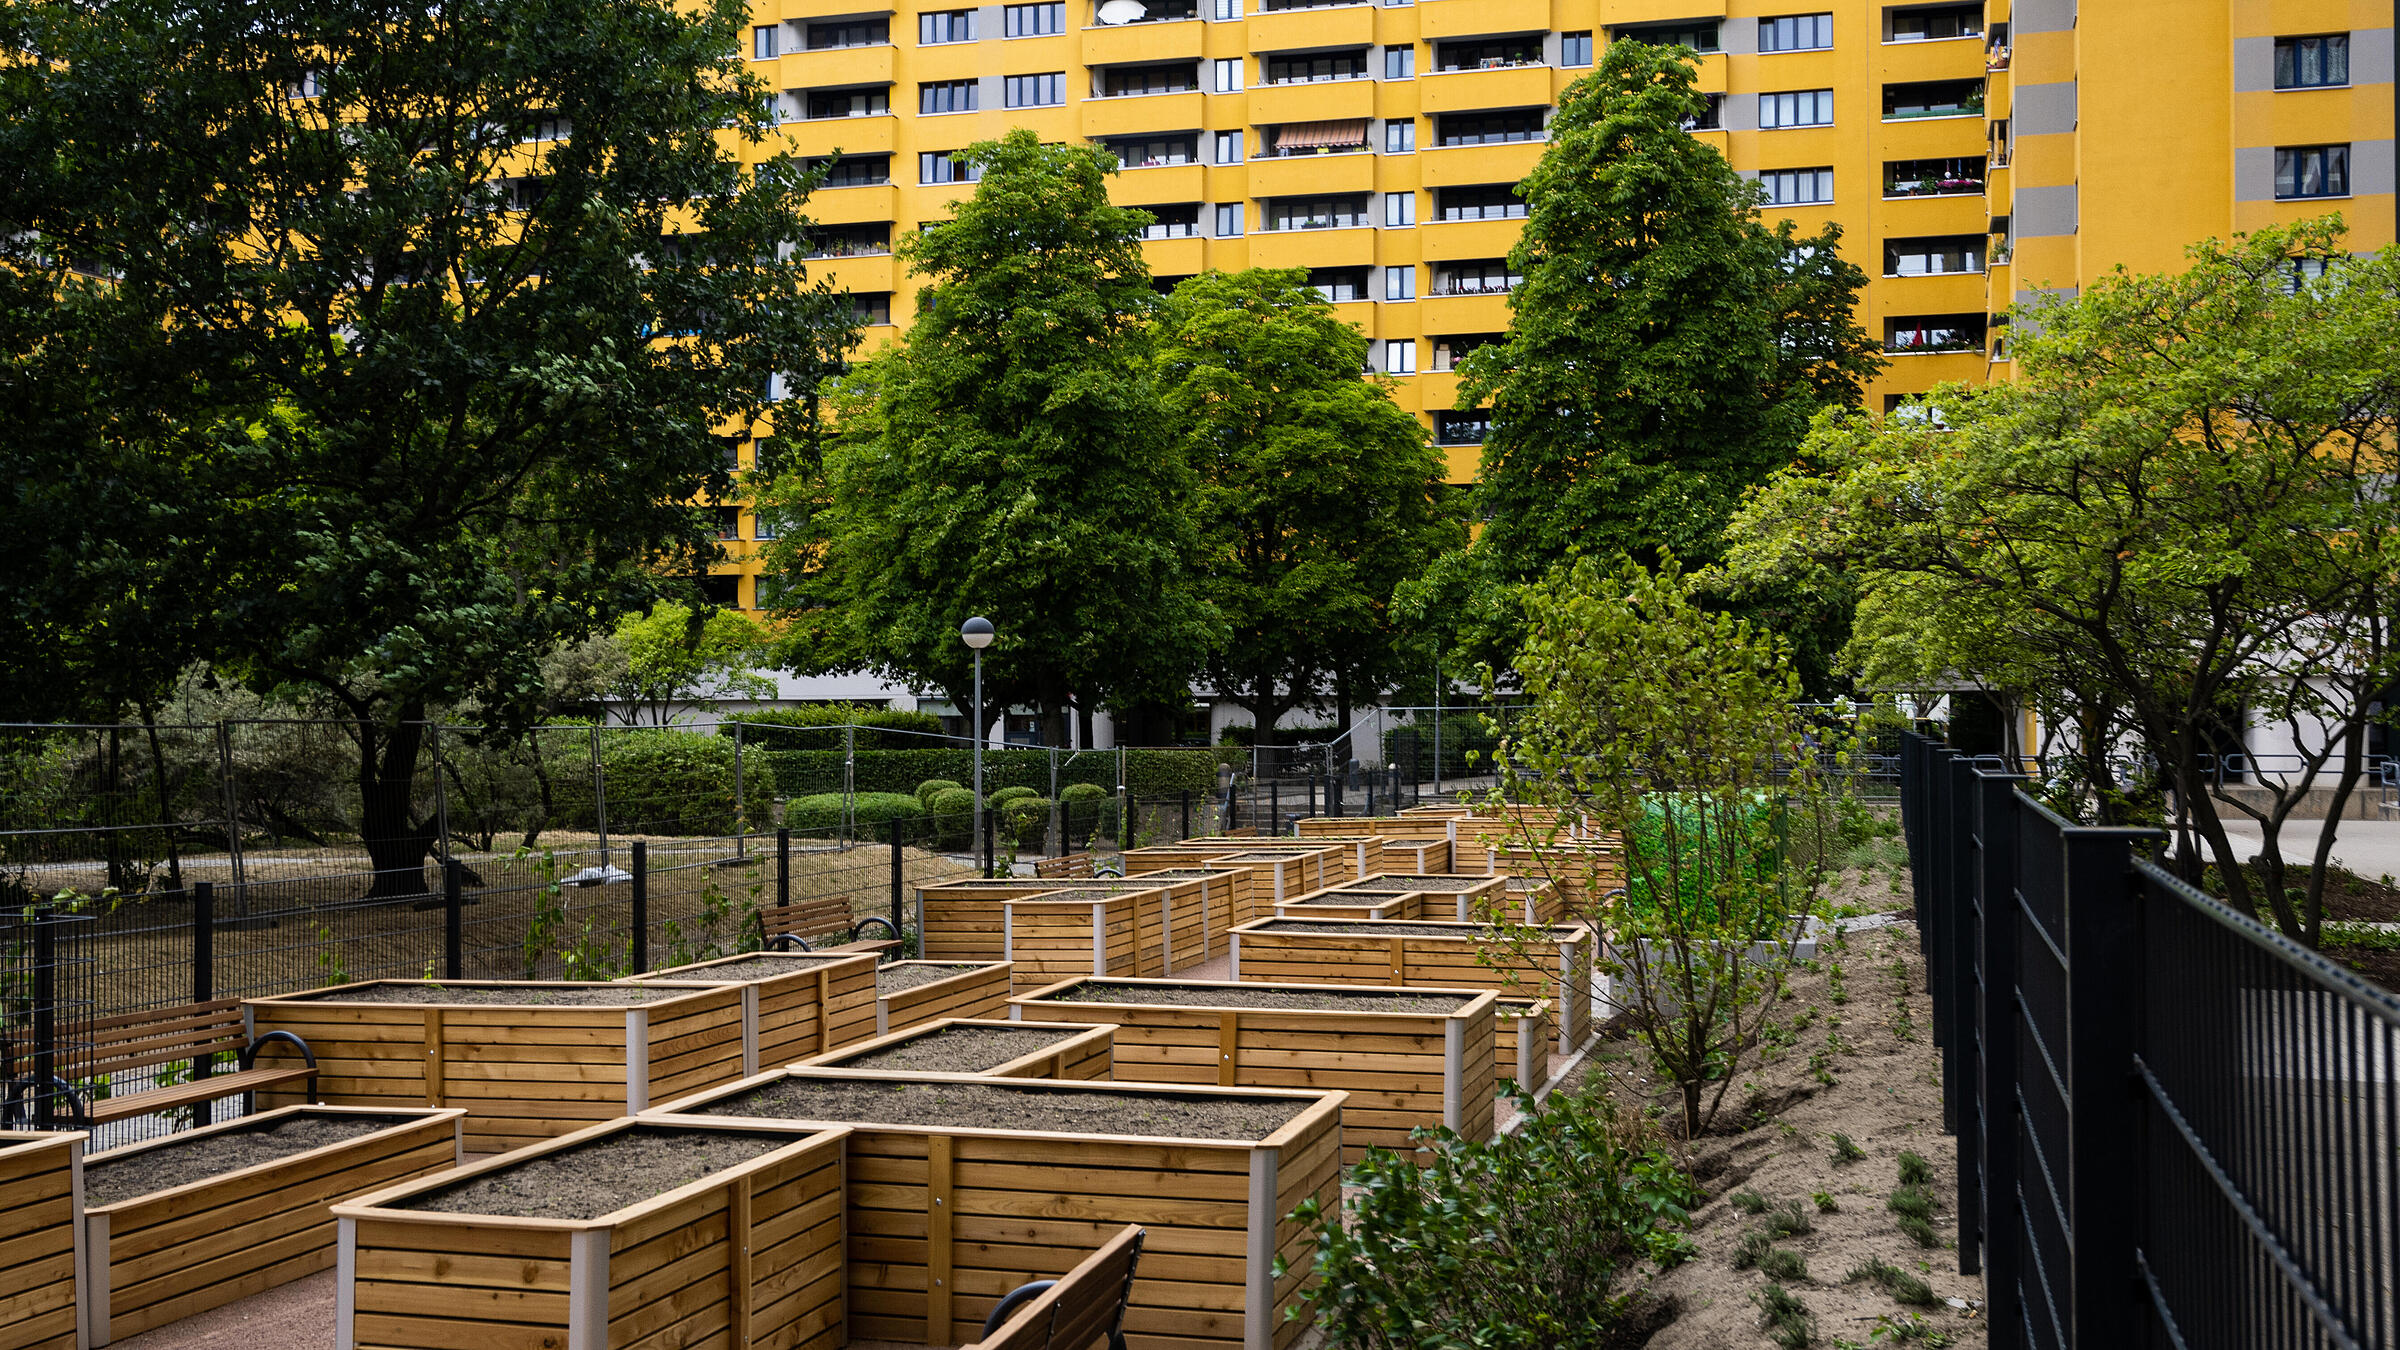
(1316, 79)
(1441, 287)
(1491, 63)
(1934, 187)
(1317, 223)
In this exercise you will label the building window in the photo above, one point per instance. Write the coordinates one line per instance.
(1936, 24)
(1932, 177)
(1796, 33)
(872, 308)
(1119, 81)
(1489, 276)
(1939, 256)
(1490, 128)
(1400, 137)
(1229, 147)
(1933, 98)
(727, 521)
(1228, 75)
(1400, 357)
(762, 527)
(1036, 91)
(2312, 62)
(1797, 187)
(1034, 20)
(1399, 63)
(1934, 333)
(1399, 210)
(1462, 428)
(1575, 49)
(724, 592)
(949, 25)
(1453, 348)
(1178, 221)
(941, 166)
(731, 446)
(1800, 108)
(855, 170)
(1495, 201)
(1317, 213)
(1700, 37)
(762, 42)
(1341, 285)
(826, 103)
(1315, 68)
(2312, 171)
(1400, 283)
(1488, 54)
(850, 241)
(1229, 220)
(948, 96)
(849, 33)
(1228, 10)
(1153, 152)
(1712, 115)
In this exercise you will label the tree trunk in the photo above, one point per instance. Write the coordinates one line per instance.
(397, 843)
(1084, 737)
(166, 806)
(1054, 722)
(1341, 710)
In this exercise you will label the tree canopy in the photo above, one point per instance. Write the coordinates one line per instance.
(1317, 494)
(385, 318)
(1008, 460)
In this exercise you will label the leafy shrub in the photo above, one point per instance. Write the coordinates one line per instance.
(1845, 1150)
(1748, 1202)
(1148, 773)
(819, 728)
(1751, 1249)
(1825, 1202)
(1026, 820)
(1090, 810)
(1789, 1220)
(1003, 796)
(873, 811)
(1915, 1201)
(953, 819)
(1918, 1231)
(1514, 1243)
(662, 782)
(931, 786)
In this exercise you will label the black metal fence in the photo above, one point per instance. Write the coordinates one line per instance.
(2175, 1128)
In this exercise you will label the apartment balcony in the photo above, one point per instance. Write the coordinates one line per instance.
(1617, 12)
(1165, 183)
(864, 275)
(1486, 313)
(1131, 114)
(1437, 19)
(856, 205)
(1295, 30)
(1527, 86)
(1187, 256)
(1312, 175)
(1455, 165)
(1129, 43)
(878, 135)
(1320, 101)
(1348, 247)
(836, 66)
(1360, 314)
(1450, 240)
(1947, 293)
(1930, 137)
(1943, 59)
(797, 10)
(1903, 217)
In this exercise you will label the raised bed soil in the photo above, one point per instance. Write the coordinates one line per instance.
(899, 979)
(760, 967)
(180, 1162)
(963, 1049)
(600, 1177)
(990, 1106)
(1264, 996)
(507, 996)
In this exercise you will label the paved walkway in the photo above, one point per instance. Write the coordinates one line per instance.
(2370, 848)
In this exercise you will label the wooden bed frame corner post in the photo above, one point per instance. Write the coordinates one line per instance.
(1454, 1069)
(1258, 1301)
(345, 1287)
(587, 1289)
(637, 1061)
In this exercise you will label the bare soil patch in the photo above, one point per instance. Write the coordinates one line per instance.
(965, 1049)
(1403, 884)
(2380, 965)
(900, 979)
(107, 1181)
(602, 1176)
(763, 967)
(503, 996)
(1261, 996)
(1008, 1106)
(1371, 928)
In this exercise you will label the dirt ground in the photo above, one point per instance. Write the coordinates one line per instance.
(961, 1049)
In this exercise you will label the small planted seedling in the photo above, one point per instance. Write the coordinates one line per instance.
(1891, 1279)
(1826, 1204)
(1785, 1319)
(1910, 1329)
(1789, 1220)
(1783, 1263)
(1754, 1248)
(1845, 1151)
(1914, 1170)
(1915, 1206)
(1748, 1202)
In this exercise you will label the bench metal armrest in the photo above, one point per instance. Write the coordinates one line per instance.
(250, 1059)
(1017, 1298)
(784, 942)
(858, 930)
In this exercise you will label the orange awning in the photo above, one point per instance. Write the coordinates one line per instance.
(1321, 135)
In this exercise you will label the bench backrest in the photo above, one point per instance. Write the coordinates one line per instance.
(1085, 1308)
(808, 918)
(1069, 865)
(144, 1040)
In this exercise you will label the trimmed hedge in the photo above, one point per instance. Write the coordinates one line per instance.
(927, 790)
(1003, 796)
(1149, 773)
(819, 728)
(823, 811)
(1026, 820)
(660, 782)
(953, 817)
(1087, 809)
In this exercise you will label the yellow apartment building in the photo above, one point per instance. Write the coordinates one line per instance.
(1972, 152)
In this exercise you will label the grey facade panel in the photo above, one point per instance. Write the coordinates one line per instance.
(2044, 212)
(2043, 16)
(1739, 37)
(2254, 173)
(1740, 112)
(2253, 64)
(2043, 109)
(2371, 59)
(2371, 168)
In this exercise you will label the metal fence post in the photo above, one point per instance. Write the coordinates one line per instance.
(1274, 806)
(45, 1018)
(233, 819)
(1985, 1182)
(454, 953)
(990, 854)
(849, 783)
(783, 865)
(599, 795)
(204, 980)
(640, 947)
(741, 803)
(898, 875)
(2105, 979)
(1187, 814)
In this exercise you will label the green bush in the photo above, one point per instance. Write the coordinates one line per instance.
(1515, 1243)
(1026, 820)
(1088, 811)
(953, 819)
(661, 782)
(873, 810)
(931, 787)
(1000, 797)
(1149, 773)
(819, 728)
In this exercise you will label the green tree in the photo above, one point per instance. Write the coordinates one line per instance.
(676, 655)
(389, 313)
(1666, 351)
(1318, 494)
(1008, 460)
(2177, 519)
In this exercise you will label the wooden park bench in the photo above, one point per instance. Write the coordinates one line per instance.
(1075, 866)
(1084, 1309)
(198, 1033)
(807, 924)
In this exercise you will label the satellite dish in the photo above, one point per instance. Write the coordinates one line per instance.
(1122, 11)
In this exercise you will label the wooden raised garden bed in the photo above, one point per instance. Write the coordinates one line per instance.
(794, 1004)
(963, 1188)
(1065, 933)
(986, 1047)
(618, 1235)
(1527, 1033)
(41, 1240)
(1340, 902)
(968, 920)
(1535, 900)
(1405, 828)
(1223, 892)
(1277, 874)
(1428, 954)
(1418, 1057)
(1584, 873)
(912, 993)
(176, 1226)
(528, 1060)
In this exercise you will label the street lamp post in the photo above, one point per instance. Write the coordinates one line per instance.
(977, 634)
